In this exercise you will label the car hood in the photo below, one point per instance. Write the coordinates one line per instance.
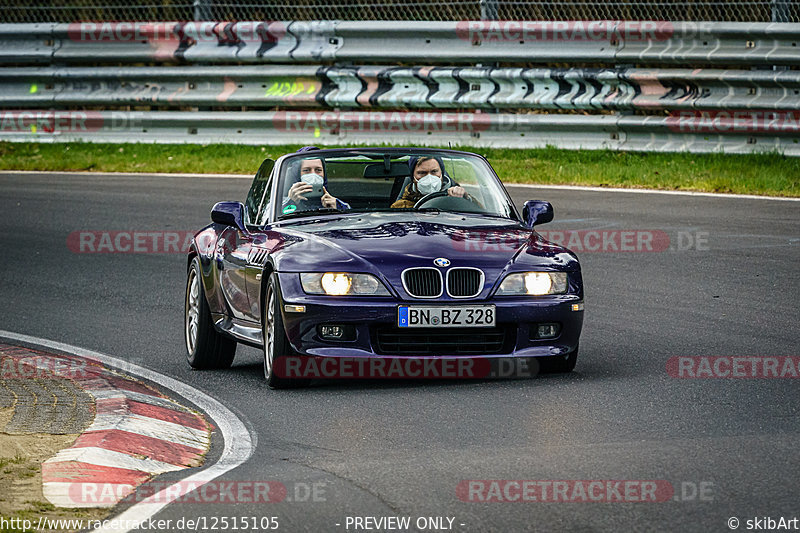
(385, 244)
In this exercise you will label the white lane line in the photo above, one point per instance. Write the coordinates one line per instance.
(151, 427)
(651, 191)
(509, 184)
(103, 457)
(65, 173)
(239, 445)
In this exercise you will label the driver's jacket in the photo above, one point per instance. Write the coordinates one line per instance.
(410, 197)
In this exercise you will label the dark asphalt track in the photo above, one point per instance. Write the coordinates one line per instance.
(400, 449)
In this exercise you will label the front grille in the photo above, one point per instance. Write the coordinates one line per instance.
(450, 341)
(423, 282)
(464, 282)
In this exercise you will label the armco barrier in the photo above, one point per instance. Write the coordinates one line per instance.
(689, 131)
(651, 42)
(621, 89)
(659, 86)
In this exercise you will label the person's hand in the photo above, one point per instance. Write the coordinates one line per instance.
(297, 191)
(328, 200)
(457, 191)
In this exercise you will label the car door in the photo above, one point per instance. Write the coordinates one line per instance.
(255, 207)
(233, 247)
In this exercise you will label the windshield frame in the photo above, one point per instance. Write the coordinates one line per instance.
(275, 214)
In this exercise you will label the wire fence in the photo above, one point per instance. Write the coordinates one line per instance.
(43, 11)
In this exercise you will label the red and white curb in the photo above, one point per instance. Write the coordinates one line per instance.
(137, 433)
(239, 441)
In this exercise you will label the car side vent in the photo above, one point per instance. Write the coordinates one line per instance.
(464, 282)
(423, 282)
(258, 256)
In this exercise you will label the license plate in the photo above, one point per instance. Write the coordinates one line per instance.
(446, 317)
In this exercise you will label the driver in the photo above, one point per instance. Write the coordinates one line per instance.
(312, 174)
(428, 177)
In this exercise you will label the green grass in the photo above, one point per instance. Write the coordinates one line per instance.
(5, 461)
(767, 174)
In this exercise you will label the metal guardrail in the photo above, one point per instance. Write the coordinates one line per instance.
(622, 89)
(689, 131)
(639, 96)
(640, 42)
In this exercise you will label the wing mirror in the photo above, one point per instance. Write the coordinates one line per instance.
(537, 212)
(229, 214)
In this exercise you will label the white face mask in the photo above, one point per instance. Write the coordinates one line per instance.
(315, 180)
(429, 184)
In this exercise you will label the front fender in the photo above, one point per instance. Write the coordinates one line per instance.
(204, 246)
(266, 272)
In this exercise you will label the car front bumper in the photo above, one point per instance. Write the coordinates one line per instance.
(374, 320)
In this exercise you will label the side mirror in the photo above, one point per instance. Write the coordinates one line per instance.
(536, 212)
(229, 214)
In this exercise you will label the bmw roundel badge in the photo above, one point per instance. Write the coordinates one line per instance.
(441, 262)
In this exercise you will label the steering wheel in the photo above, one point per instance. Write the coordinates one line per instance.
(442, 200)
(428, 197)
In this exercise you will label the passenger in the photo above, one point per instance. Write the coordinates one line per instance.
(312, 174)
(428, 177)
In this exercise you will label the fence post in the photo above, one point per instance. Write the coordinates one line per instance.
(202, 9)
(780, 10)
(489, 9)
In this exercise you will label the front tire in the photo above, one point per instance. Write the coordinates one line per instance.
(206, 348)
(276, 344)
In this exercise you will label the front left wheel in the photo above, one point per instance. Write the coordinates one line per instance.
(276, 344)
(206, 348)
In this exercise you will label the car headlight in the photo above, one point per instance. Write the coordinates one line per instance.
(534, 283)
(342, 284)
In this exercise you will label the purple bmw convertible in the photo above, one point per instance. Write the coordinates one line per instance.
(380, 253)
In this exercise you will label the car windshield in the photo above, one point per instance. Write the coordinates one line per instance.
(311, 183)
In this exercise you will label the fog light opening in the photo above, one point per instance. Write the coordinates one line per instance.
(331, 332)
(336, 332)
(547, 331)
